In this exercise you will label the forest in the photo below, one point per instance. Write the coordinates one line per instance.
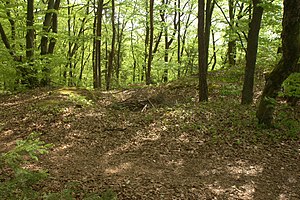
(166, 99)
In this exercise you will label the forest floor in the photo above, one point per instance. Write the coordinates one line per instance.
(158, 142)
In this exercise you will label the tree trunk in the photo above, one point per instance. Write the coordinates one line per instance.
(112, 51)
(50, 21)
(132, 52)
(29, 73)
(97, 72)
(69, 65)
(287, 64)
(166, 53)
(231, 52)
(12, 23)
(144, 71)
(208, 16)
(203, 89)
(151, 33)
(46, 28)
(214, 57)
(6, 42)
(178, 39)
(54, 27)
(253, 36)
(120, 34)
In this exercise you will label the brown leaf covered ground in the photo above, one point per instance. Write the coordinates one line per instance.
(158, 142)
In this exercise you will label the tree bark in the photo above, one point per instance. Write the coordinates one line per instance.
(231, 52)
(52, 42)
(144, 71)
(208, 17)
(6, 42)
(151, 33)
(204, 22)
(287, 64)
(133, 54)
(29, 77)
(46, 28)
(97, 70)
(112, 51)
(253, 36)
(178, 40)
(50, 22)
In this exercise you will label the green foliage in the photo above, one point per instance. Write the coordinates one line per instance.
(107, 195)
(65, 194)
(289, 124)
(230, 90)
(80, 99)
(271, 101)
(18, 181)
(72, 190)
(48, 107)
(291, 86)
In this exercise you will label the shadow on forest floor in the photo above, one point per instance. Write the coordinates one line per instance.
(158, 142)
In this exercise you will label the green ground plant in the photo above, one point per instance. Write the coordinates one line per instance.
(17, 180)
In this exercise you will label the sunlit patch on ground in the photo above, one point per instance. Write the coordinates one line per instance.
(243, 168)
(118, 169)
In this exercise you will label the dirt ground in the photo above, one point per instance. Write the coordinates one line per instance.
(153, 145)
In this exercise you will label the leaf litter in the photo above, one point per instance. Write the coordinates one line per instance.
(155, 143)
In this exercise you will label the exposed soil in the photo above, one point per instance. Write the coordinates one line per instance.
(156, 143)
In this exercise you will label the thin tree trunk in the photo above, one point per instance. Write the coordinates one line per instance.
(151, 33)
(29, 73)
(119, 49)
(231, 52)
(178, 40)
(187, 24)
(94, 52)
(208, 16)
(166, 54)
(112, 51)
(202, 64)
(97, 72)
(54, 27)
(7, 43)
(146, 43)
(132, 52)
(46, 28)
(12, 23)
(69, 65)
(253, 36)
(214, 57)
(50, 22)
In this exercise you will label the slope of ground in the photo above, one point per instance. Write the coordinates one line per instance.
(158, 142)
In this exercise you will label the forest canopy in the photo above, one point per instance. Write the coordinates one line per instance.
(72, 47)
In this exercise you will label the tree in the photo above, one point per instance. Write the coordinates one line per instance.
(178, 39)
(50, 22)
(63, 52)
(232, 42)
(203, 89)
(286, 65)
(97, 66)
(204, 22)
(28, 72)
(151, 38)
(253, 36)
(112, 50)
